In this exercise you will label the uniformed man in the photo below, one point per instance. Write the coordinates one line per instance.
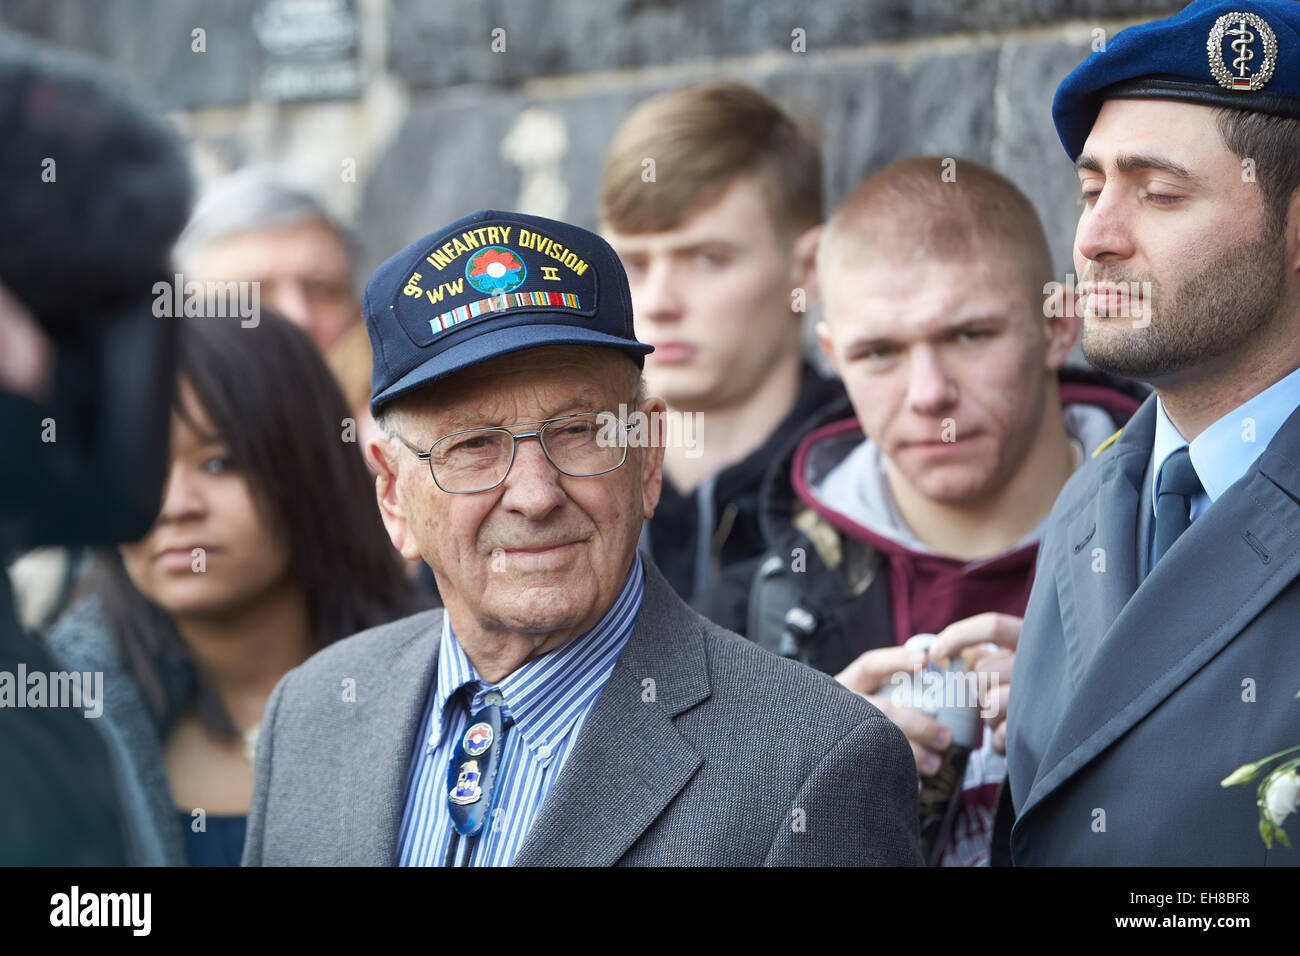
(1158, 653)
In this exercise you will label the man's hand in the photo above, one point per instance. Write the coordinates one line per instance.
(987, 643)
(869, 676)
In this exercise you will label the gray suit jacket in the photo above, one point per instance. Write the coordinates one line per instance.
(1134, 694)
(737, 758)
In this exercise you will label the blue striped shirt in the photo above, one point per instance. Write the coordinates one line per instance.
(548, 698)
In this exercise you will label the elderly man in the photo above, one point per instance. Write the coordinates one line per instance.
(1158, 652)
(566, 707)
(253, 226)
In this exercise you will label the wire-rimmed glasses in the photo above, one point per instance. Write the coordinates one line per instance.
(478, 459)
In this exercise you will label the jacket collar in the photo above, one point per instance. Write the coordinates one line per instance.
(626, 765)
(630, 760)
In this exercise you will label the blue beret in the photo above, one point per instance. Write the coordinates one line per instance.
(488, 285)
(1241, 54)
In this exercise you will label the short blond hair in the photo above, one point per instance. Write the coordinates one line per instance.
(911, 208)
(702, 138)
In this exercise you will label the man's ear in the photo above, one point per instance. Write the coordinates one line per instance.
(1293, 234)
(828, 346)
(378, 454)
(652, 438)
(1062, 319)
(803, 268)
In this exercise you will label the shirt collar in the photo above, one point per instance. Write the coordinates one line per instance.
(1224, 452)
(546, 695)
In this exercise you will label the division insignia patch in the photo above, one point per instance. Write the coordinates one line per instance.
(467, 788)
(477, 739)
(495, 270)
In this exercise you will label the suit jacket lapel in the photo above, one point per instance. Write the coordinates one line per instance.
(629, 760)
(1100, 571)
(1145, 523)
(1225, 569)
(386, 737)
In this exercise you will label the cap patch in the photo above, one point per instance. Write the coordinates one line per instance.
(495, 269)
(490, 269)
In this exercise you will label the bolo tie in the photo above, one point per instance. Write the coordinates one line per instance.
(472, 773)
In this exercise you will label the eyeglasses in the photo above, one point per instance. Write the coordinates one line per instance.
(478, 459)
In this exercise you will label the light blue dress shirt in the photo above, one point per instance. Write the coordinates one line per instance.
(548, 699)
(1224, 452)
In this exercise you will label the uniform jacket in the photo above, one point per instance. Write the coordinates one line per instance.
(1135, 695)
(731, 756)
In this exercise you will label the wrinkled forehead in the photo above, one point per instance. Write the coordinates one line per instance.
(523, 386)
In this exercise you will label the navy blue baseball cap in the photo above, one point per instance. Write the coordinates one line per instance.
(1242, 54)
(488, 285)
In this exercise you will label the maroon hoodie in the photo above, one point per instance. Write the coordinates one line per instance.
(929, 591)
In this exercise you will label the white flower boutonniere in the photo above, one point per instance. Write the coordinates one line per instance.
(1277, 796)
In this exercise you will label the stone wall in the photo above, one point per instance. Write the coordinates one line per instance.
(510, 103)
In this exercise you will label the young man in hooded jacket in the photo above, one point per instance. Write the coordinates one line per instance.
(915, 506)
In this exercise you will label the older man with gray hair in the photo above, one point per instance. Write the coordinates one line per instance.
(566, 707)
(256, 226)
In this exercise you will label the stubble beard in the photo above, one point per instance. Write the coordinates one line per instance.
(1216, 314)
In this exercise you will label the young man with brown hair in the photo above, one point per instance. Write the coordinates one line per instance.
(712, 197)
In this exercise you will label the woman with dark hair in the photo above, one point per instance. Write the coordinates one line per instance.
(268, 546)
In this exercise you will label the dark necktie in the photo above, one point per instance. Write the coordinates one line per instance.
(1178, 486)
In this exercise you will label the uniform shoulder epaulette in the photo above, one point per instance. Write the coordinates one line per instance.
(1106, 444)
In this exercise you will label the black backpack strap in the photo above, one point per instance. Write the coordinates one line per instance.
(772, 595)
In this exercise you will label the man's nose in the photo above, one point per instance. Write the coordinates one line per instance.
(1104, 231)
(533, 486)
(930, 389)
(657, 296)
(289, 298)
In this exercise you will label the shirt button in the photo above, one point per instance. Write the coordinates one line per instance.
(544, 751)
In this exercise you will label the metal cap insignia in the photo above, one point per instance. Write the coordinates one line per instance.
(1245, 29)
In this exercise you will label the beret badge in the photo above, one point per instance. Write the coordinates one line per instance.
(1244, 30)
